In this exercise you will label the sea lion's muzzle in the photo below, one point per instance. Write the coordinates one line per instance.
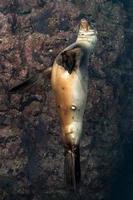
(84, 25)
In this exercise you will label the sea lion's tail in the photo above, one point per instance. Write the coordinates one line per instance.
(72, 167)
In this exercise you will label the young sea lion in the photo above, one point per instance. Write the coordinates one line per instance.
(69, 83)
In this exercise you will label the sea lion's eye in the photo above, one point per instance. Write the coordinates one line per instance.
(73, 107)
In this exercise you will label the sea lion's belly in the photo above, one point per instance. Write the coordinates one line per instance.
(71, 94)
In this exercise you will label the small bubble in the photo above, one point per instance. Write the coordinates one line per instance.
(50, 50)
(73, 107)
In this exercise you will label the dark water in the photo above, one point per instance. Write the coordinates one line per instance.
(123, 187)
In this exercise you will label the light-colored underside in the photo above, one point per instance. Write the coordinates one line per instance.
(70, 93)
(70, 87)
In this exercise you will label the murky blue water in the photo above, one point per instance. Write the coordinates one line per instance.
(123, 187)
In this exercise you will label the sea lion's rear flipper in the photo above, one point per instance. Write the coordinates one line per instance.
(72, 167)
(70, 59)
(29, 83)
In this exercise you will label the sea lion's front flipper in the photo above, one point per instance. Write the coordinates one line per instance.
(24, 86)
(29, 83)
(70, 59)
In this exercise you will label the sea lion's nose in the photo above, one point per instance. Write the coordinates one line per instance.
(84, 25)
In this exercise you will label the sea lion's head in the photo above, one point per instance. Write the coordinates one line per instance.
(87, 35)
(84, 26)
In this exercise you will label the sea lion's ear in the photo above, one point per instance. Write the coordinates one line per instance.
(70, 59)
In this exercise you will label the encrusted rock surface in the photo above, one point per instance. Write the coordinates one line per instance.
(32, 33)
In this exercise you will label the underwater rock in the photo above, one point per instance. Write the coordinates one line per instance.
(4, 25)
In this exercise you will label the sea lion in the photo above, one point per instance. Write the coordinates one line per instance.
(69, 82)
